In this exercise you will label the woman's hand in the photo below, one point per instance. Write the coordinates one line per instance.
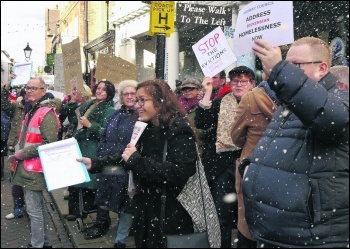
(85, 160)
(207, 84)
(85, 122)
(129, 150)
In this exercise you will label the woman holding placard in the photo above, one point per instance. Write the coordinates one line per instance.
(158, 106)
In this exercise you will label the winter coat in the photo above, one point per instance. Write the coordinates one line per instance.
(112, 188)
(253, 114)
(48, 129)
(150, 173)
(5, 126)
(296, 189)
(88, 138)
(16, 112)
(214, 163)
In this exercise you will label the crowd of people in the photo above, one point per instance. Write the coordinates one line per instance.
(275, 153)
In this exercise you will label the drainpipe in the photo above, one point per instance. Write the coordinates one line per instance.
(86, 40)
(107, 2)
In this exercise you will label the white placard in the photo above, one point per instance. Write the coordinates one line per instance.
(23, 71)
(213, 53)
(61, 169)
(56, 94)
(136, 134)
(271, 21)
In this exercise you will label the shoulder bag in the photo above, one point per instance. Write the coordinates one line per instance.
(192, 240)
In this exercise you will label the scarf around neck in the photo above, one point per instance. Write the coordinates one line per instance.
(226, 117)
(188, 104)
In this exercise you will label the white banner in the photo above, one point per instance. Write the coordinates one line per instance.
(271, 21)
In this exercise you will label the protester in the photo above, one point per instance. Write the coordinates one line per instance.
(296, 186)
(5, 130)
(67, 113)
(112, 185)
(16, 111)
(89, 122)
(253, 114)
(40, 126)
(189, 100)
(219, 154)
(158, 106)
(341, 73)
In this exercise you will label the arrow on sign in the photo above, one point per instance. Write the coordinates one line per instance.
(163, 27)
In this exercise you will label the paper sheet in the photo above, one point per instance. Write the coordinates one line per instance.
(60, 166)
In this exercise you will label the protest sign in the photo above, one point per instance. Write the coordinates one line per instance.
(114, 69)
(59, 74)
(271, 21)
(213, 53)
(23, 72)
(73, 77)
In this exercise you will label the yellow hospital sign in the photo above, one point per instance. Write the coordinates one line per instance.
(162, 17)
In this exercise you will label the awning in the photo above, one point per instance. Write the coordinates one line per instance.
(4, 58)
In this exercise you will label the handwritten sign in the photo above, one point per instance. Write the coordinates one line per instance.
(73, 77)
(114, 69)
(23, 72)
(59, 74)
(213, 53)
(271, 21)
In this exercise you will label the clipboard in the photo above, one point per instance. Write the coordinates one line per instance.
(60, 167)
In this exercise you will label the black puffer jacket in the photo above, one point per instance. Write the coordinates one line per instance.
(296, 189)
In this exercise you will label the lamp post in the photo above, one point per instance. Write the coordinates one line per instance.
(27, 52)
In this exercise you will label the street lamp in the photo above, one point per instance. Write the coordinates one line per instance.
(27, 52)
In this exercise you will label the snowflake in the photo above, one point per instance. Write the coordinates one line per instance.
(229, 31)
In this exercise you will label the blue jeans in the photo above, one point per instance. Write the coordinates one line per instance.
(39, 219)
(124, 226)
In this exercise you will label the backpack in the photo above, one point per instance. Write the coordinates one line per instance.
(5, 126)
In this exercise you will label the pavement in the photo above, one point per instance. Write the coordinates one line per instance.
(15, 233)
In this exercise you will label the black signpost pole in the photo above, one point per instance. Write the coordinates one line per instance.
(160, 57)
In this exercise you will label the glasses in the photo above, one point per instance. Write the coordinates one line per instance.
(302, 63)
(243, 82)
(32, 89)
(141, 101)
(129, 94)
(186, 89)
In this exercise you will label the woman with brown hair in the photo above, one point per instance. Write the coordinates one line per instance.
(158, 106)
(89, 122)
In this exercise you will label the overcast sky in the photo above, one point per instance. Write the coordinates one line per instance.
(23, 22)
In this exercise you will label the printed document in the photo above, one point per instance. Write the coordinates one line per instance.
(60, 166)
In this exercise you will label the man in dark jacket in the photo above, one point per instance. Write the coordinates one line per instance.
(296, 189)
